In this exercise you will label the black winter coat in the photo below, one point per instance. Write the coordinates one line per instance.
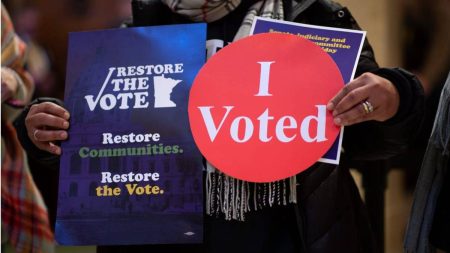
(330, 216)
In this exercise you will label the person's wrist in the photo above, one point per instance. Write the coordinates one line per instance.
(400, 80)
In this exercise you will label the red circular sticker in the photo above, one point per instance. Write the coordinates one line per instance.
(257, 108)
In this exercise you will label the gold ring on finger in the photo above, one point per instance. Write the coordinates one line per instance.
(368, 107)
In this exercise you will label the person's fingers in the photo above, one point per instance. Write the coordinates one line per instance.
(379, 95)
(352, 99)
(343, 92)
(49, 147)
(43, 120)
(49, 108)
(49, 135)
(355, 115)
(45, 123)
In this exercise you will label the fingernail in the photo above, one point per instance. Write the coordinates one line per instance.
(65, 124)
(53, 148)
(63, 135)
(337, 121)
(335, 113)
(330, 106)
(66, 115)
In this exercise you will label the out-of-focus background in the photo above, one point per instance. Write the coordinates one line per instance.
(413, 34)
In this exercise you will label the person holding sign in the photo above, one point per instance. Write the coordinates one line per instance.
(318, 210)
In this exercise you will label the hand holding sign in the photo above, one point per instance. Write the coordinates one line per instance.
(46, 123)
(348, 105)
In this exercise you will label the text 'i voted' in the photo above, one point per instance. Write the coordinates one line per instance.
(257, 108)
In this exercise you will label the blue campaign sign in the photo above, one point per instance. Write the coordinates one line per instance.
(343, 45)
(130, 171)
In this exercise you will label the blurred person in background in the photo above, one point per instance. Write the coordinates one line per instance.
(426, 52)
(429, 224)
(25, 223)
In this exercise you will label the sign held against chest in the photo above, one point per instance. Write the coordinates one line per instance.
(257, 108)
